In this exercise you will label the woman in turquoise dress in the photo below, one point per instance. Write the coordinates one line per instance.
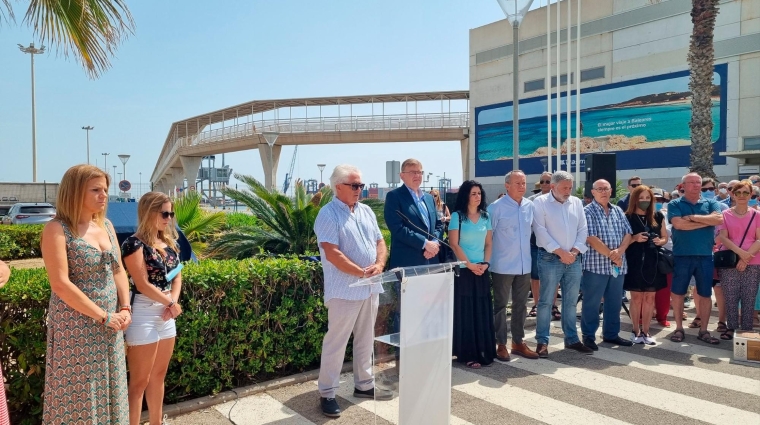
(85, 375)
(470, 237)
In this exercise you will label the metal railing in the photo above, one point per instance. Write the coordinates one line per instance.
(323, 125)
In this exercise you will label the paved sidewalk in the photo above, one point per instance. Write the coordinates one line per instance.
(670, 383)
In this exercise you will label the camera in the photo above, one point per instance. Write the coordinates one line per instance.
(650, 241)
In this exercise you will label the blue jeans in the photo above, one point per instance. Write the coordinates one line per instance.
(552, 272)
(594, 287)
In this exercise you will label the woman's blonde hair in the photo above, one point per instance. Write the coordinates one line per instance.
(150, 204)
(437, 198)
(71, 193)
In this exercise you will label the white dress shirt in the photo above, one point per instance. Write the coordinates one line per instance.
(559, 225)
(511, 235)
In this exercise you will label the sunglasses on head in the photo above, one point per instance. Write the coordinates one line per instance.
(545, 181)
(355, 186)
(705, 189)
(167, 214)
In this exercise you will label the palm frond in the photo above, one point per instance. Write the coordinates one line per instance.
(6, 12)
(90, 29)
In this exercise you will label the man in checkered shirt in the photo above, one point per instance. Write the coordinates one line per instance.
(604, 267)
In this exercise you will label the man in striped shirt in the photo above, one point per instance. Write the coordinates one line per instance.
(351, 247)
(604, 267)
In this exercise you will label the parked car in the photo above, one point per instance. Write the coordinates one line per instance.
(4, 211)
(30, 213)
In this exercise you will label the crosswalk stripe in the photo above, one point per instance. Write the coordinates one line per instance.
(661, 399)
(689, 345)
(525, 402)
(261, 409)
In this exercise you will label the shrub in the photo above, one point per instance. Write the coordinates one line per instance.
(20, 241)
(243, 322)
(237, 220)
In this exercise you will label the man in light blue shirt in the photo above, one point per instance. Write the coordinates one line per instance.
(351, 247)
(511, 218)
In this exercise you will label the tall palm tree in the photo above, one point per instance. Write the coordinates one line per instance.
(287, 224)
(197, 225)
(701, 59)
(701, 64)
(89, 29)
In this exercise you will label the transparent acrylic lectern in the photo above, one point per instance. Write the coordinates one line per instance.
(413, 342)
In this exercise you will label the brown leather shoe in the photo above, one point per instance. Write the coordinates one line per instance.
(501, 353)
(523, 350)
(543, 351)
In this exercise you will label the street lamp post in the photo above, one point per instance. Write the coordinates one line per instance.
(139, 188)
(88, 128)
(124, 159)
(33, 51)
(321, 168)
(114, 180)
(271, 138)
(515, 11)
(105, 162)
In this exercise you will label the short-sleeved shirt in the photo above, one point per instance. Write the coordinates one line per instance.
(472, 236)
(736, 227)
(697, 242)
(610, 229)
(356, 234)
(156, 265)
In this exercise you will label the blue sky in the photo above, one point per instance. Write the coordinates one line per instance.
(191, 57)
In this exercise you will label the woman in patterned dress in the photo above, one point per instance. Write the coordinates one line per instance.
(5, 274)
(150, 256)
(85, 376)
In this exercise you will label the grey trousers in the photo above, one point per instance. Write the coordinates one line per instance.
(519, 286)
(343, 318)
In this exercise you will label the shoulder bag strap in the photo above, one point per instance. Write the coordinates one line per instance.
(747, 230)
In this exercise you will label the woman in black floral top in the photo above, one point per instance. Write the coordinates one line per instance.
(150, 255)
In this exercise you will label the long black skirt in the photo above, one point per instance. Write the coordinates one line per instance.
(474, 339)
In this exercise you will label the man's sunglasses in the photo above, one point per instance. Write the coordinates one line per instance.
(167, 214)
(545, 181)
(355, 186)
(635, 185)
(705, 189)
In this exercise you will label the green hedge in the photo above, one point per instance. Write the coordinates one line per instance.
(243, 322)
(236, 220)
(20, 241)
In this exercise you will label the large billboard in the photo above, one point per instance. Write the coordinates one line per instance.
(645, 121)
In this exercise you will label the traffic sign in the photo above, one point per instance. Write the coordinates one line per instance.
(125, 185)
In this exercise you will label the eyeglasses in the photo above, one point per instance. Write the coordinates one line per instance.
(741, 193)
(355, 186)
(635, 185)
(705, 189)
(435, 196)
(545, 181)
(754, 181)
(167, 214)
(414, 173)
(604, 189)
(681, 191)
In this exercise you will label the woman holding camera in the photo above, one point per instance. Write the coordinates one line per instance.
(643, 279)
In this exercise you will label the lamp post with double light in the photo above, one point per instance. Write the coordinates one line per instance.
(33, 51)
(87, 129)
(515, 11)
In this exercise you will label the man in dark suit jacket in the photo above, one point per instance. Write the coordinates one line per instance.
(412, 219)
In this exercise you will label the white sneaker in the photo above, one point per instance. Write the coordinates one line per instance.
(637, 339)
(648, 340)
(163, 421)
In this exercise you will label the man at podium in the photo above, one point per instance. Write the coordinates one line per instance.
(351, 247)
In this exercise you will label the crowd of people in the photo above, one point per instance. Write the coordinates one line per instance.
(511, 248)
(653, 244)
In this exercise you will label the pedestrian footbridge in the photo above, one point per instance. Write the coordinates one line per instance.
(405, 117)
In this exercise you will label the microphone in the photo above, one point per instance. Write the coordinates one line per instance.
(428, 234)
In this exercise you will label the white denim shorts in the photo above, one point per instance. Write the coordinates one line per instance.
(147, 325)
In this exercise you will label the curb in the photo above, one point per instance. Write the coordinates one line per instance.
(190, 406)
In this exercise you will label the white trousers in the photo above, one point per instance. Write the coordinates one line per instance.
(343, 318)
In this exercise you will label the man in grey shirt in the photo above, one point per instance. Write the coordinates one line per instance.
(351, 247)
